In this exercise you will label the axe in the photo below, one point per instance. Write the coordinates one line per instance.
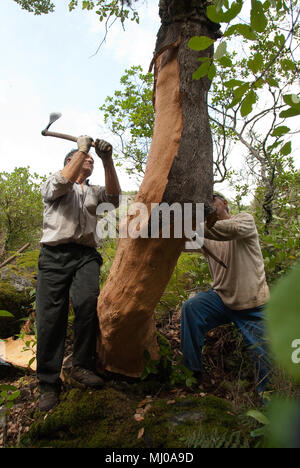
(54, 116)
(206, 251)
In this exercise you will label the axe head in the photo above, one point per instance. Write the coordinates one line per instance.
(53, 117)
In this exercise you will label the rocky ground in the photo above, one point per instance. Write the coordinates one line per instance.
(227, 379)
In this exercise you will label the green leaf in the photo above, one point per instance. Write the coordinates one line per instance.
(225, 62)
(241, 90)
(258, 19)
(212, 71)
(247, 32)
(280, 131)
(214, 14)
(5, 313)
(31, 361)
(279, 40)
(13, 396)
(202, 70)
(283, 320)
(287, 65)
(219, 4)
(190, 381)
(221, 50)
(258, 83)
(233, 83)
(204, 59)
(292, 100)
(291, 112)
(220, 16)
(286, 149)
(260, 432)
(200, 43)
(248, 102)
(283, 413)
(258, 416)
(239, 93)
(242, 29)
(7, 388)
(256, 63)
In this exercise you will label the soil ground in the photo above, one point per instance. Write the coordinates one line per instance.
(226, 365)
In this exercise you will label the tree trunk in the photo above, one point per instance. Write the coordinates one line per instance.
(179, 169)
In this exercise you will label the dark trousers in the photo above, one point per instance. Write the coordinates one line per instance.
(206, 311)
(66, 270)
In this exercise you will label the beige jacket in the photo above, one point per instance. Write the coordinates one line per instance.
(235, 241)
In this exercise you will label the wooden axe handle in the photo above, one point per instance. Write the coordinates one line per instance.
(65, 137)
(206, 251)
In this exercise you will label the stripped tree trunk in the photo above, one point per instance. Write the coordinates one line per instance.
(179, 169)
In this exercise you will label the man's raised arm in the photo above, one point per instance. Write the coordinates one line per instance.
(112, 185)
(73, 169)
(236, 227)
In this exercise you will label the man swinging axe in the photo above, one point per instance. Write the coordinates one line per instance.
(69, 264)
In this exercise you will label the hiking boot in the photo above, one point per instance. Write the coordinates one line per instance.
(85, 378)
(48, 400)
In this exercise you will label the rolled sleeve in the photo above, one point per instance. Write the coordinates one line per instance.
(55, 186)
(238, 227)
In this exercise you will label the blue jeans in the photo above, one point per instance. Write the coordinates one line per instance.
(206, 311)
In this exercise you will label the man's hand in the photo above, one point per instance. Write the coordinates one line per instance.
(103, 150)
(84, 143)
(211, 219)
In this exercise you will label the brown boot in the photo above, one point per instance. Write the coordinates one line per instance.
(48, 400)
(85, 378)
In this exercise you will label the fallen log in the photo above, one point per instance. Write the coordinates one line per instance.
(10, 259)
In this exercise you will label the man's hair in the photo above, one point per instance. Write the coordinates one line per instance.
(69, 155)
(221, 196)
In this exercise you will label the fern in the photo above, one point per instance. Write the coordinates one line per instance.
(216, 439)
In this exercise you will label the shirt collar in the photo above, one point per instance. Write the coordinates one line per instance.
(86, 182)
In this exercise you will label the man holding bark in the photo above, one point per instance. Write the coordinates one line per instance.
(238, 294)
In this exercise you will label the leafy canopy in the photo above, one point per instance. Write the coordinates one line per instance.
(251, 26)
(103, 8)
(229, 13)
(37, 7)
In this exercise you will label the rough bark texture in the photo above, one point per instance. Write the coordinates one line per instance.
(179, 169)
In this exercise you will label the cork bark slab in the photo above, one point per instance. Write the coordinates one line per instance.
(13, 352)
(142, 267)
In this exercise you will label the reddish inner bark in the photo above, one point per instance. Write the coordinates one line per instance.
(142, 267)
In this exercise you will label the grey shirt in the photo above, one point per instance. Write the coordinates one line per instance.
(70, 212)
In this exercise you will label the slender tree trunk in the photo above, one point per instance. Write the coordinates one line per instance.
(179, 169)
(269, 199)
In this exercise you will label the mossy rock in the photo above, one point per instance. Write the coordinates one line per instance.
(23, 271)
(28, 261)
(16, 303)
(105, 419)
